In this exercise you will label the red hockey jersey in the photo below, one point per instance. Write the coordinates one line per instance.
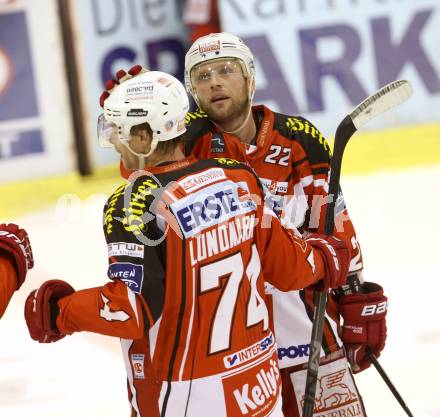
(292, 159)
(190, 247)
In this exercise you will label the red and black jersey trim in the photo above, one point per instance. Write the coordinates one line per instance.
(197, 125)
(178, 333)
(329, 341)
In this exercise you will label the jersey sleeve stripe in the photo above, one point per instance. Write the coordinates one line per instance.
(321, 165)
(299, 162)
(132, 300)
(317, 171)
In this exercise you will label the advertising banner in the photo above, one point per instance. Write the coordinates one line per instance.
(320, 58)
(116, 34)
(17, 93)
(34, 141)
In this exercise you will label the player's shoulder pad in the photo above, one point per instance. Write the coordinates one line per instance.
(229, 162)
(197, 125)
(196, 118)
(234, 164)
(225, 163)
(300, 129)
(129, 203)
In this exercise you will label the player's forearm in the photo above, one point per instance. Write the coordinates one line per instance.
(288, 262)
(8, 281)
(300, 267)
(111, 310)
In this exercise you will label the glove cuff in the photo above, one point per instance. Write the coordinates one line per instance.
(19, 261)
(55, 290)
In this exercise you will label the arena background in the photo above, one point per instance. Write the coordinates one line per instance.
(316, 58)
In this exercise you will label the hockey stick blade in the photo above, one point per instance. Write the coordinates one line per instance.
(384, 99)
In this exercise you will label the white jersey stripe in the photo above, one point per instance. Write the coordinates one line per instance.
(132, 299)
(188, 336)
(125, 345)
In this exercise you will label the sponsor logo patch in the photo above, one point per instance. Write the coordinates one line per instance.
(194, 182)
(169, 125)
(137, 361)
(209, 47)
(217, 143)
(130, 274)
(137, 113)
(227, 161)
(254, 391)
(248, 354)
(181, 125)
(164, 81)
(293, 351)
(336, 393)
(125, 249)
(140, 89)
(211, 206)
(275, 186)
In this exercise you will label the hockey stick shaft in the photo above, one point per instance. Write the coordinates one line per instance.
(386, 98)
(345, 130)
(387, 380)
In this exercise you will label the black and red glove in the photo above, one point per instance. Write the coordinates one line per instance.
(121, 76)
(336, 257)
(15, 242)
(41, 310)
(364, 325)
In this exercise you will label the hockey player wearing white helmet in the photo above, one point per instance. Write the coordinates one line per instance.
(185, 243)
(291, 157)
(142, 116)
(220, 75)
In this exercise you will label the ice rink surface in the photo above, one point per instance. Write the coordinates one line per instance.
(396, 215)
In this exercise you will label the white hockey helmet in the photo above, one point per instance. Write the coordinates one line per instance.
(153, 97)
(215, 46)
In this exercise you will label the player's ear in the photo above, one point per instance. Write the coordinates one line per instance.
(146, 135)
(146, 139)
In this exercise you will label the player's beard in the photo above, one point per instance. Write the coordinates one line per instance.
(237, 110)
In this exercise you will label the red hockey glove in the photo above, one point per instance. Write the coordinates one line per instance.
(336, 257)
(41, 310)
(15, 241)
(364, 324)
(121, 76)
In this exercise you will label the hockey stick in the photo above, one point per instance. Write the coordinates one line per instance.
(384, 99)
(387, 380)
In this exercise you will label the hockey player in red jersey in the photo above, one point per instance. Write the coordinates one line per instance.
(291, 158)
(190, 245)
(15, 260)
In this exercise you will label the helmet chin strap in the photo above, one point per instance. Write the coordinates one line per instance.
(142, 156)
(141, 165)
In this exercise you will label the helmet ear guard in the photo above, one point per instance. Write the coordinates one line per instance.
(215, 46)
(153, 97)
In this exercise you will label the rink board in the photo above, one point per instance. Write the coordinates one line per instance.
(384, 150)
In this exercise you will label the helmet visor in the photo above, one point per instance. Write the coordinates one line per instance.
(107, 132)
(222, 68)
